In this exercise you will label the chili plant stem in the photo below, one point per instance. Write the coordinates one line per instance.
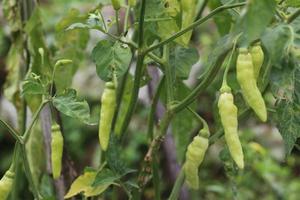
(28, 172)
(169, 75)
(293, 16)
(156, 58)
(191, 97)
(193, 25)
(201, 9)
(212, 139)
(13, 132)
(34, 118)
(156, 180)
(126, 19)
(138, 70)
(177, 186)
(153, 108)
(117, 21)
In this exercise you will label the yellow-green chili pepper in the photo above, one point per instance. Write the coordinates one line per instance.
(131, 3)
(6, 184)
(247, 81)
(57, 143)
(108, 107)
(116, 4)
(228, 115)
(194, 157)
(257, 58)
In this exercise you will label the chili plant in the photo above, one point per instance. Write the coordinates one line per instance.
(252, 72)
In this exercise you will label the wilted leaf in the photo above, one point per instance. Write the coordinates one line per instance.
(11, 10)
(13, 66)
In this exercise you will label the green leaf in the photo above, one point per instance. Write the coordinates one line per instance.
(256, 18)
(182, 60)
(68, 104)
(36, 40)
(38, 64)
(183, 123)
(292, 3)
(285, 85)
(4, 43)
(223, 20)
(170, 25)
(288, 122)
(93, 21)
(33, 85)
(276, 42)
(105, 176)
(109, 55)
(219, 53)
(113, 156)
(36, 153)
(84, 184)
(63, 77)
(46, 187)
(72, 43)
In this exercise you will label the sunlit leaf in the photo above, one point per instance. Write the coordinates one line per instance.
(84, 184)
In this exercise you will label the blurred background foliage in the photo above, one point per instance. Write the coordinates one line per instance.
(268, 173)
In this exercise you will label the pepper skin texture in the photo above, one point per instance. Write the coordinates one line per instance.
(247, 81)
(6, 184)
(108, 107)
(116, 4)
(257, 59)
(194, 157)
(228, 115)
(57, 143)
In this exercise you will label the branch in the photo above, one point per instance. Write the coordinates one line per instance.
(193, 25)
(154, 103)
(35, 117)
(177, 186)
(205, 83)
(138, 70)
(293, 16)
(13, 132)
(169, 76)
